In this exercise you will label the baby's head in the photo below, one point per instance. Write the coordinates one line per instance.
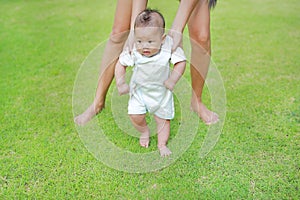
(149, 30)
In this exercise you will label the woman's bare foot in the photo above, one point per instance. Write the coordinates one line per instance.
(144, 140)
(164, 151)
(207, 116)
(87, 115)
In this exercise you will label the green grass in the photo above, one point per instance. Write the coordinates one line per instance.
(255, 45)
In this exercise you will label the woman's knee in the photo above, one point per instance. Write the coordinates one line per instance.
(200, 36)
(119, 34)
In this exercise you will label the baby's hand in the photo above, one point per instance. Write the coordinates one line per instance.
(123, 89)
(169, 84)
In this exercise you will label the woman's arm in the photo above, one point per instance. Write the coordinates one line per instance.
(137, 7)
(183, 13)
(182, 16)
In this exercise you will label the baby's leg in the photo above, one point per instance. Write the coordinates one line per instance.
(139, 122)
(163, 133)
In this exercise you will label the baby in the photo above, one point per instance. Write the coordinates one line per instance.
(151, 84)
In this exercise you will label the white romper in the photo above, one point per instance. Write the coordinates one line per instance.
(147, 90)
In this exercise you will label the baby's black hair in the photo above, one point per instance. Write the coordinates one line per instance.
(145, 18)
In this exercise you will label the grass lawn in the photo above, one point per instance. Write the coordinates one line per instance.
(255, 46)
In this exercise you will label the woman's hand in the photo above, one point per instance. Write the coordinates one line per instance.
(129, 42)
(177, 38)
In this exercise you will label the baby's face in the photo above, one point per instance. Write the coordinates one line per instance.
(148, 40)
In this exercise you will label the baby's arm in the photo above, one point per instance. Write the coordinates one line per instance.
(120, 72)
(177, 72)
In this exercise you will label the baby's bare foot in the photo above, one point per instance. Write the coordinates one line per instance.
(164, 151)
(207, 116)
(86, 116)
(144, 140)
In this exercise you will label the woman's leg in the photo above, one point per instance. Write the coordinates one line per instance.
(125, 10)
(199, 31)
(163, 133)
(140, 124)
